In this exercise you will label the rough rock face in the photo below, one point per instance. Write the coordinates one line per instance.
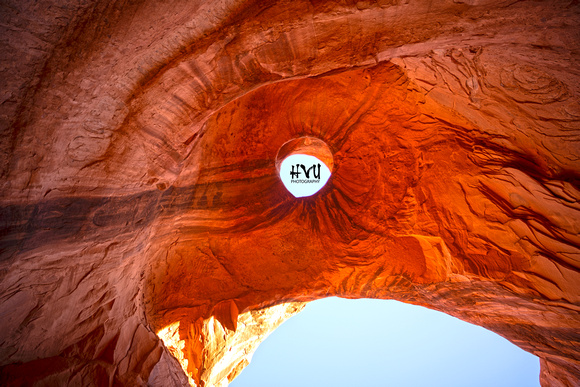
(145, 238)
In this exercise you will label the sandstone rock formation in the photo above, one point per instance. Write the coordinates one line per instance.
(147, 240)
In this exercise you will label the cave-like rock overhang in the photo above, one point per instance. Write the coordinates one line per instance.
(142, 198)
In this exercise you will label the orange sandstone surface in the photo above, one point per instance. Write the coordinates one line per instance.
(146, 238)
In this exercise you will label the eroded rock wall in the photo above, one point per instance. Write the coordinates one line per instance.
(140, 198)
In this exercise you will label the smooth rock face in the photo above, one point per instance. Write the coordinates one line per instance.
(146, 239)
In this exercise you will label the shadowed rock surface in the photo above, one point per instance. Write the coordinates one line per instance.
(146, 238)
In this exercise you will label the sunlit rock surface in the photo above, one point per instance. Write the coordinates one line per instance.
(146, 239)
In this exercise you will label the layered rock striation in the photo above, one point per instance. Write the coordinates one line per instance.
(146, 238)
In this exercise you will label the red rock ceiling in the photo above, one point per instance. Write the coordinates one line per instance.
(143, 226)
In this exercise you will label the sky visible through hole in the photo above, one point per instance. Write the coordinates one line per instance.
(339, 342)
(303, 175)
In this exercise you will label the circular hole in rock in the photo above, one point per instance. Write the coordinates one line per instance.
(304, 165)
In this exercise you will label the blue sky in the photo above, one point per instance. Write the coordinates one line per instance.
(338, 342)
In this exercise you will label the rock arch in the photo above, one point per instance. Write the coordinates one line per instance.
(140, 195)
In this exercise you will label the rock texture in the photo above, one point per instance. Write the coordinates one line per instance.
(145, 238)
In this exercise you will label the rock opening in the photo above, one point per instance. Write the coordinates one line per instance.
(304, 165)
